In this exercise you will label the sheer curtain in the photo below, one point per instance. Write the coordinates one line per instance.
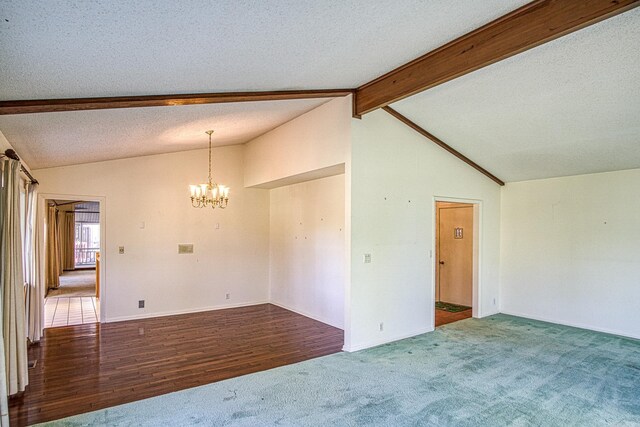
(34, 290)
(68, 243)
(12, 280)
(54, 261)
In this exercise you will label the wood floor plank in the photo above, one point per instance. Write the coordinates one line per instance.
(86, 367)
(444, 317)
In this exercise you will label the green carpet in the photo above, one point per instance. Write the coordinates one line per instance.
(496, 371)
(451, 308)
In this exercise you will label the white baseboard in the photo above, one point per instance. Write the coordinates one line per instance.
(572, 324)
(386, 340)
(176, 312)
(305, 314)
(491, 313)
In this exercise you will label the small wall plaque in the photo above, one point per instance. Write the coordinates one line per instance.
(457, 233)
(185, 248)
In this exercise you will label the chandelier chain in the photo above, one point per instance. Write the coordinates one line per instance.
(209, 158)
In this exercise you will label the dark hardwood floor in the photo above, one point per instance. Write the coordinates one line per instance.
(87, 367)
(444, 317)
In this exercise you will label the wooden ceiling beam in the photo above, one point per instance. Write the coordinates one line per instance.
(77, 104)
(442, 144)
(529, 26)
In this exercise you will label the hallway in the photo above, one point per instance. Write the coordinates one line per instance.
(74, 302)
(66, 311)
(77, 283)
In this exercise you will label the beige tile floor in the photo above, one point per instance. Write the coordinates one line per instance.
(70, 311)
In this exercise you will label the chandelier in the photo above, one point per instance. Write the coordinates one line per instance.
(209, 194)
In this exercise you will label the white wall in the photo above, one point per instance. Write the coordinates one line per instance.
(395, 174)
(303, 161)
(154, 190)
(316, 141)
(5, 145)
(571, 251)
(308, 250)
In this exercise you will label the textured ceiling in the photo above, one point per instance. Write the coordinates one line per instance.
(63, 49)
(567, 107)
(571, 106)
(57, 139)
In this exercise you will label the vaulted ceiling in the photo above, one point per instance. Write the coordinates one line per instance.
(70, 49)
(567, 107)
(67, 49)
(65, 138)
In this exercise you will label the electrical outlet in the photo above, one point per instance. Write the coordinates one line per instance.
(217, 225)
(367, 258)
(141, 303)
(381, 326)
(120, 250)
(227, 296)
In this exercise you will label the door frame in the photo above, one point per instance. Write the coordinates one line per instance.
(42, 214)
(477, 253)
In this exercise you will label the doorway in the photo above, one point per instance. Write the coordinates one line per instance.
(455, 253)
(72, 262)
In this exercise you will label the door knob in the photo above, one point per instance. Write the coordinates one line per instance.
(441, 262)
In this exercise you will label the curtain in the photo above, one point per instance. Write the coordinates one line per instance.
(12, 281)
(34, 290)
(4, 405)
(54, 261)
(67, 241)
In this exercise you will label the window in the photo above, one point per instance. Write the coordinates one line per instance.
(87, 243)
